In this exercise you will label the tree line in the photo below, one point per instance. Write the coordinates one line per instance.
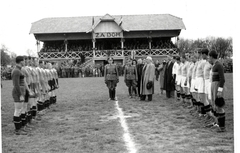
(222, 45)
(7, 57)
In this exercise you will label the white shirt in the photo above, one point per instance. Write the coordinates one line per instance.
(175, 67)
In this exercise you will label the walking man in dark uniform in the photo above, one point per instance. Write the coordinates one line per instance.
(130, 77)
(111, 78)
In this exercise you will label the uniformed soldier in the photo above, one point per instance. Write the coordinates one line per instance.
(76, 71)
(63, 70)
(68, 70)
(111, 78)
(72, 69)
(130, 77)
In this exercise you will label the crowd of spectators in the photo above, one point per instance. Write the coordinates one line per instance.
(79, 46)
(69, 69)
(128, 45)
(163, 44)
(144, 44)
(105, 45)
(58, 46)
(55, 46)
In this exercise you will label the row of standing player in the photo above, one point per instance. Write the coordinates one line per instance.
(199, 85)
(34, 86)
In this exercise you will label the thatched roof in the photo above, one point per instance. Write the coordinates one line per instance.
(129, 23)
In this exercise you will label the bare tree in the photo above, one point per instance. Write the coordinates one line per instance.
(221, 45)
(5, 58)
(184, 46)
(30, 52)
(13, 56)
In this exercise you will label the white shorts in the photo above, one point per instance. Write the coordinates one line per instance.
(192, 86)
(178, 80)
(200, 85)
(183, 79)
(208, 88)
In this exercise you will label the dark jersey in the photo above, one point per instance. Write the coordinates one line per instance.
(18, 79)
(218, 73)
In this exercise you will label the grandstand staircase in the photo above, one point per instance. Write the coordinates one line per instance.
(87, 63)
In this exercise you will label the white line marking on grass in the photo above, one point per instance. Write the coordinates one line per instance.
(126, 136)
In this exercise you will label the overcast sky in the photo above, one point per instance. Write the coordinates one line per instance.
(202, 18)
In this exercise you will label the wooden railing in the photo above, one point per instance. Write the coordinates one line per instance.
(106, 53)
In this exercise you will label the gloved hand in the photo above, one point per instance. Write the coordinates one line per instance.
(21, 98)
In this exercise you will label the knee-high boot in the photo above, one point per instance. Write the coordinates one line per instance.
(110, 93)
(221, 122)
(150, 97)
(130, 91)
(18, 124)
(135, 91)
(113, 94)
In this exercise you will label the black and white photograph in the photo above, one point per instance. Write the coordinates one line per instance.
(119, 76)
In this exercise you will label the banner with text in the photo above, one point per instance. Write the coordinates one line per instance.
(108, 35)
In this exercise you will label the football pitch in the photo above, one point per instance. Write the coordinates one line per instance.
(84, 121)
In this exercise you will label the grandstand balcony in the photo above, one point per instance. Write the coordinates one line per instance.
(103, 54)
(98, 37)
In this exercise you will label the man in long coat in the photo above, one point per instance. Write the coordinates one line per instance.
(148, 75)
(168, 79)
(139, 73)
(161, 70)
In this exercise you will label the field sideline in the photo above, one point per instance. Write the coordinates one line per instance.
(84, 121)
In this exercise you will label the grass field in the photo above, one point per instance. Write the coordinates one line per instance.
(84, 121)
